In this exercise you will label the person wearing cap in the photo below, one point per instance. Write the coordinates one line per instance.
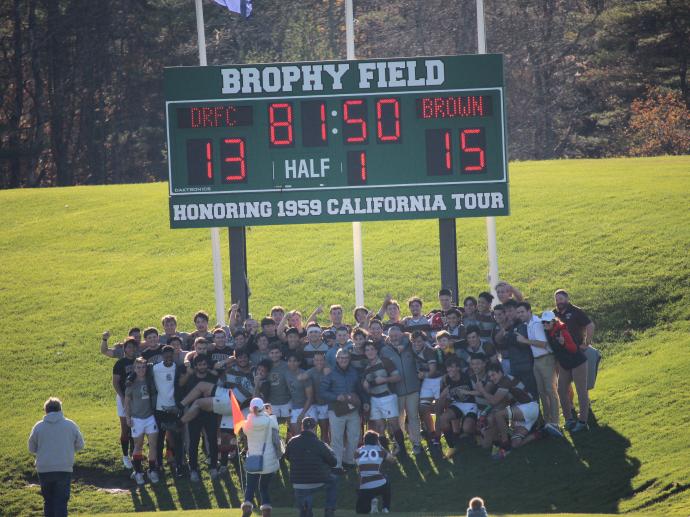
(311, 464)
(343, 392)
(259, 428)
(573, 368)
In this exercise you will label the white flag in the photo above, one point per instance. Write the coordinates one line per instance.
(243, 7)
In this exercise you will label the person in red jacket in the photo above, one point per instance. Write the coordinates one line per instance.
(573, 368)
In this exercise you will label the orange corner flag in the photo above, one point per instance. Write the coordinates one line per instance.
(237, 416)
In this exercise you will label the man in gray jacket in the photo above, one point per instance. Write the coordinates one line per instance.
(53, 441)
(397, 348)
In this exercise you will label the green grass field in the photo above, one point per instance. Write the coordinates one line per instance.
(615, 233)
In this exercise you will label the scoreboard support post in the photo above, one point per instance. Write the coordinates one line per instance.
(448, 248)
(239, 288)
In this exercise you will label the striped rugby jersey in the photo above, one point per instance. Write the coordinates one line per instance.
(369, 459)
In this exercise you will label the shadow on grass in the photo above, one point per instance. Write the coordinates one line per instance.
(590, 475)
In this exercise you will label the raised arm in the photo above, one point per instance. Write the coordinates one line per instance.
(109, 352)
(280, 331)
(384, 305)
(314, 314)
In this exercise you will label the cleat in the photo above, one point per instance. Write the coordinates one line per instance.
(553, 430)
(153, 476)
(139, 478)
(213, 473)
(127, 462)
(570, 423)
(194, 476)
(579, 426)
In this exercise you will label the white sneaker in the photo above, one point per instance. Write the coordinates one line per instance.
(194, 476)
(385, 510)
(374, 506)
(553, 430)
(127, 462)
(153, 476)
(139, 478)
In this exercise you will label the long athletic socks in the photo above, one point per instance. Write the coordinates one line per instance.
(137, 461)
(124, 443)
(399, 438)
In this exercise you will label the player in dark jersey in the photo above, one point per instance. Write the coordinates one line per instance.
(485, 317)
(358, 359)
(514, 406)
(418, 321)
(201, 324)
(121, 370)
(376, 333)
(377, 380)
(473, 345)
(198, 421)
(239, 379)
(458, 418)
(430, 373)
(220, 350)
(153, 350)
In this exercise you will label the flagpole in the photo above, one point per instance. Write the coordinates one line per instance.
(215, 232)
(491, 244)
(356, 226)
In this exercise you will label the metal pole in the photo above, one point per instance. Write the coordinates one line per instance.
(491, 245)
(215, 232)
(356, 226)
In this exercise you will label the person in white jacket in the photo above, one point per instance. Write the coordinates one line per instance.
(259, 428)
(53, 441)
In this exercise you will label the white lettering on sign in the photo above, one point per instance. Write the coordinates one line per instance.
(482, 200)
(336, 206)
(381, 74)
(307, 168)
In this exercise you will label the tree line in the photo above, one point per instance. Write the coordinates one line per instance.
(81, 97)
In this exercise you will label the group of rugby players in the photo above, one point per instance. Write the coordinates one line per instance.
(473, 375)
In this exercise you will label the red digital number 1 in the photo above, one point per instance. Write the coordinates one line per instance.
(209, 163)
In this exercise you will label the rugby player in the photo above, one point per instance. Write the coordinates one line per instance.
(121, 371)
(514, 407)
(301, 393)
(377, 378)
(139, 411)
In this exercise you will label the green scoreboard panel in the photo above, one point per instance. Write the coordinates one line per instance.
(287, 143)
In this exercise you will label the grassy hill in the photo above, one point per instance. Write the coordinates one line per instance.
(615, 233)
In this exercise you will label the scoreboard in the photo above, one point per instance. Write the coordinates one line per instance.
(287, 143)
